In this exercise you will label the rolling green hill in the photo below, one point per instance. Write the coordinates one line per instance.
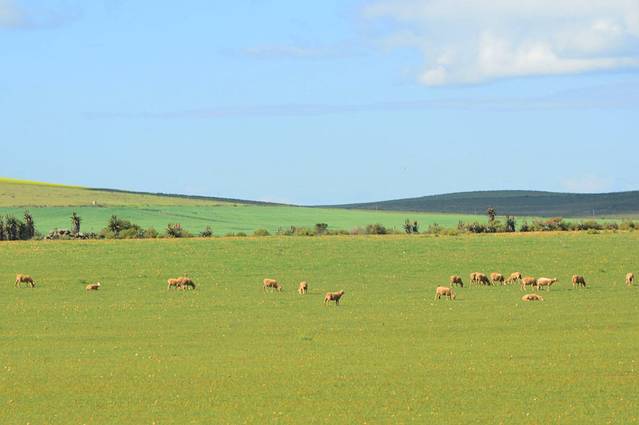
(52, 205)
(518, 203)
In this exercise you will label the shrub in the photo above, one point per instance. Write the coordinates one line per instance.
(207, 232)
(627, 224)
(376, 229)
(151, 233)
(434, 229)
(75, 223)
(411, 227)
(261, 233)
(511, 224)
(321, 228)
(524, 227)
(29, 227)
(176, 231)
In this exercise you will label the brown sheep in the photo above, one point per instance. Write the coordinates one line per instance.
(482, 279)
(514, 277)
(272, 283)
(333, 296)
(185, 283)
(496, 278)
(25, 278)
(456, 280)
(443, 291)
(173, 283)
(303, 288)
(473, 278)
(630, 279)
(528, 281)
(532, 297)
(545, 282)
(578, 280)
(93, 286)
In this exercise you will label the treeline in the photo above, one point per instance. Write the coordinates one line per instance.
(12, 228)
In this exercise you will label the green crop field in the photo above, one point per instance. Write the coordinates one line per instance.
(52, 206)
(228, 353)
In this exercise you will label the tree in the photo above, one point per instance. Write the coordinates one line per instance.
(29, 226)
(491, 214)
(3, 236)
(75, 223)
(411, 227)
(510, 223)
(207, 232)
(12, 228)
(114, 225)
(321, 228)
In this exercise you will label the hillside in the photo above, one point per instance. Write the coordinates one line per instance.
(518, 203)
(51, 206)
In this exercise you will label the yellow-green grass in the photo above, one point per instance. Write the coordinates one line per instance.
(22, 193)
(228, 353)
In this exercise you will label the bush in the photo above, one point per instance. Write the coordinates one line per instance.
(321, 229)
(207, 232)
(151, 233)
(627, 224)
(176, 231)
(376, 229)
(261, 233)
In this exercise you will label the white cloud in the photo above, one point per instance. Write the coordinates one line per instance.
(470, 41)
(21, 16)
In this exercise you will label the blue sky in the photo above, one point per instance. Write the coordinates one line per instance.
(321, 102)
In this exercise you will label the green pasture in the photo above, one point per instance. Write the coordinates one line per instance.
(228, 353)
(229, 218)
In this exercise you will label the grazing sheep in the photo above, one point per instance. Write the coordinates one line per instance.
(578, 280)
(173, 283)
(93, 286)
(272, 283)
(25, 278)
(528, 281)
(544, 282)
(303, 288)
(443, 291)
(532, 297)
(514, 277)
(333, 296)
(185, 283)
(630, 279)
(482, 279)
(456, 280)
(496, 278)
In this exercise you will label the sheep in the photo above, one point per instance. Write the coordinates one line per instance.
(482, 279)
(93, 286)
(303, 288)
(443, 291)
(333, 296)
(514, 277)
(578, 280)
(272, 283)
(630, 279)
(25, 278)
(546, 282)
(173, 283)
(456, 280)
(185, 283)
(496, 278)
(532, 297)
(528, 281)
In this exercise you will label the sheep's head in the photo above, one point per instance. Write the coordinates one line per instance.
(98, 284)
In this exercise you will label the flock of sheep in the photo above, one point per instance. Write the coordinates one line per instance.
(478, 278)
(186, 283)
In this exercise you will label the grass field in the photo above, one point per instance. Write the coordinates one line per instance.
(228, 353)
(52, 206)
(229, 218)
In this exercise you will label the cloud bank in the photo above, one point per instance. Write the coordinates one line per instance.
(472, 41)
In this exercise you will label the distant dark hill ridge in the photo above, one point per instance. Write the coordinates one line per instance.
(515, 202)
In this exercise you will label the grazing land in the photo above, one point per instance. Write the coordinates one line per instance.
(52, 205)
(133, 352)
